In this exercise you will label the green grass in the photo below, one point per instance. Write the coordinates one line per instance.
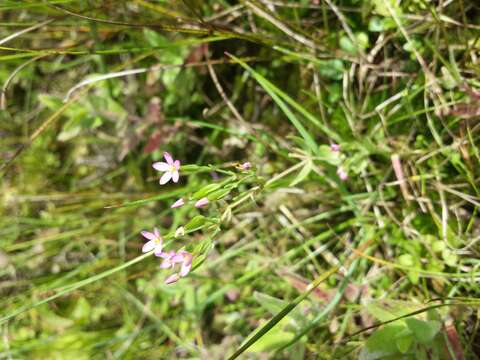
(290, 262)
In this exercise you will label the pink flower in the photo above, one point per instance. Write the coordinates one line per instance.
(342, 174)
(169, 259)
(155, 241)
(246, 166)
(186, 263)
(335, 147)
(202, 202)
(178, 203)
(170, 169)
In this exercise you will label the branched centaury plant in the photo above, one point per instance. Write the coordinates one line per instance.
(181, 261)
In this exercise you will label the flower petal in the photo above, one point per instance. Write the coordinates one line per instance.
(148, 246)
(171, 279)
(166, 264)
(201, 203)
(163, 255)
(161, 166)
(148, 235)
(175, 176)
(165, 178)
(168, 158)
(187, 257)
(335, 147)
(178, 258)
(185, 269)
(178, 203)
(342, 174)
(158, 248)
(156, 233)
(246, 165)
(176, 163)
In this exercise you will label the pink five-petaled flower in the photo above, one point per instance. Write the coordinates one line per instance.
(170, 169)
(202, 202)
(155, 241)
(335, 147)
(178, 203)
(342, 174)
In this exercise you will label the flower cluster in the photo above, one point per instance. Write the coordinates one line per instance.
(342, 174)
(178, 261)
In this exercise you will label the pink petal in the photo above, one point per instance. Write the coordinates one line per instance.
(187, 257)
(176, 163)
(161, 166)
(185, 269)
(342, 174)
(165, 178)
(157, 233)
(168, 158)
(158, 248)
(171, 279)
(201, 203)
(163, 255)
(246, 166)
(166, 264)
(148, 235)
(148, 246)
(177, 258)
(178, 203)
(175, 176)
(335, 147)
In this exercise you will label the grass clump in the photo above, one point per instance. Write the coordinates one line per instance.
(332, 146)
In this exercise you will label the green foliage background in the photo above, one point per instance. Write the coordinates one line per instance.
(93, 92)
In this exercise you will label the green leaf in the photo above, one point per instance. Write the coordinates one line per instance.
(50, 101)
(332, 69)
(450, 258)
(204, 191)
(81, 311)
(404, 342)
(381, 340)
(406, 260)
(385, 310)
(424, 331)
(275, 305)
(274, 339)
(261, 331)
(375, 25)
(381, 7)
(196, 223)
(302, 175)
(326, 154)
(347, 45)
(218, 194)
